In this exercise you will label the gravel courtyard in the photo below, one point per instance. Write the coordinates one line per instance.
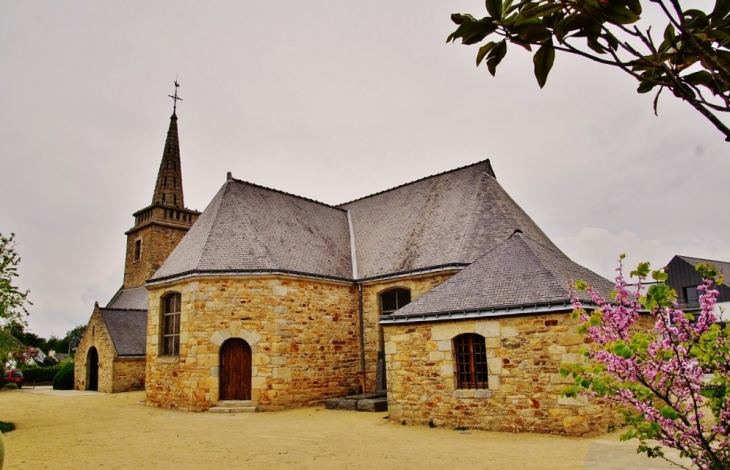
(87, 430)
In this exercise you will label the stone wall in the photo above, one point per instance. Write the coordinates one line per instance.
(524, 355)
(96, 335)
(303, 335)
(129, 374)
(418, 285)
(158, 241)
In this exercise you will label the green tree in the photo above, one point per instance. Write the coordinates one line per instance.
(26, 337)
(13, 300)
(73, 338)
(690, 58)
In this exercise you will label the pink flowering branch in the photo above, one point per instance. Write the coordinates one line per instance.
(672, 382)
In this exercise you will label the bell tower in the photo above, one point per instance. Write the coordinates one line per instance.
(159, 227)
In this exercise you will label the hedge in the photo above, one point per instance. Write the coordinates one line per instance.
(44, 374)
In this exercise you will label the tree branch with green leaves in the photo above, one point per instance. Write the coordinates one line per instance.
(13, 301)
(692, 59)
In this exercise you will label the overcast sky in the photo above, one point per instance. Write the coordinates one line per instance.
(331, 100)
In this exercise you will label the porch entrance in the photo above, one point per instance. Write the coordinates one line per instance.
(92, 369)
(235, 370)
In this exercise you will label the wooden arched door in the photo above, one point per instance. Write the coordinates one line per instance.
(92, 369)
(235, 370)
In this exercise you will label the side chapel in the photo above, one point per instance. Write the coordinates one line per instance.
(442, 291)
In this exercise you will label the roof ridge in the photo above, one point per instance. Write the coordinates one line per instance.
(210, 228)
(287, 194)
(124, 309)
(547, 266)
(703, 259)
(489, 166)
(558, 251)
(117, 294)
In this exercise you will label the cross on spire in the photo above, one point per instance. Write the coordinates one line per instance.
(175, 97)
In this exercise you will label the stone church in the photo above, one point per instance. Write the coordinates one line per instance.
(442, 291)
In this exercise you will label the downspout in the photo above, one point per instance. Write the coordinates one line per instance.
(362, 338)
(353, 257)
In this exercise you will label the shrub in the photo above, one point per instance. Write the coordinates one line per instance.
(50, 361)
(11, 386)
(64, 379)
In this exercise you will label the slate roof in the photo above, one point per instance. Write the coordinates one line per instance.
(247, 227)
(126, 299)
(128, 330)
(722, 266)
(444, 220)
(520, 275)
(449, 218)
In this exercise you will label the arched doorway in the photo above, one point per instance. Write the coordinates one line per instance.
(92, 369)
(235, 370)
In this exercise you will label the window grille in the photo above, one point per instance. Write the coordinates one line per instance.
(470, 355)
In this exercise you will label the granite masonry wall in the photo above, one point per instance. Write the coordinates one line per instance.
(303, 335)
(128, 374)
(97, 336)
(524, 355)
(157, 242)
(115, 374)
(418, 285)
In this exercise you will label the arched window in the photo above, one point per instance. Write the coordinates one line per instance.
(393, 299)
(470, 356)
(171, 325)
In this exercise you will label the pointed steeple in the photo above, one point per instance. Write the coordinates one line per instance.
(169, 188)
(159, 227)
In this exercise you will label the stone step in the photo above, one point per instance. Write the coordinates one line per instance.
(366, 402)
(235, 403)
(233, 406)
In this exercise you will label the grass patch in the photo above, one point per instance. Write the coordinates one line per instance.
(6, 427)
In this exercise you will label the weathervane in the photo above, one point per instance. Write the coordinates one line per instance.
(175, 97)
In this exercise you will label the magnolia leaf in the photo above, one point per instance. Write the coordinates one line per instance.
(539, 11)
(494, 8)
(656, 101)
(459, 18)
(495, 56)
(543, 60)
(484, 50)
(645, 87)
(595, 45)
(634, 5)
(617, 14)
(670, 35)
(722, 8)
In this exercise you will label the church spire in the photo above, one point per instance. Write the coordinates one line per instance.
(169, 189)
